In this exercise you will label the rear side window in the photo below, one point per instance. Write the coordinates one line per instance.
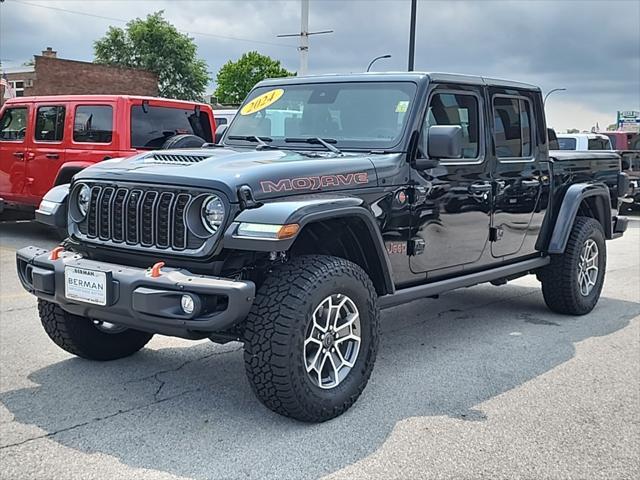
(220, 121)
(599, 144)
(93, 124)
(50, 123)
(13, 124)
(152, 128)
(512, 127)
(457, 109)
(567, 143)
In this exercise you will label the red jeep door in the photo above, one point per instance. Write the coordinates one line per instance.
(48, 152)
(14, 149)
(93, 136)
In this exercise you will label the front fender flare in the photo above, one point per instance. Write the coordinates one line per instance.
(305, 211)
(573, 198)
(53, 207)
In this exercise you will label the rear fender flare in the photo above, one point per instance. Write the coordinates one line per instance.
(597, 194)
(68, 170)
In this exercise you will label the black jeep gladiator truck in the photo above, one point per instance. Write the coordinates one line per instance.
(327, 199)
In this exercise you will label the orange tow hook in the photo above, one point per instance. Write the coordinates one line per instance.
(155, 270)
(55, 253)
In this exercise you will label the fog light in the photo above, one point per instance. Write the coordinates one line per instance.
(187, 303)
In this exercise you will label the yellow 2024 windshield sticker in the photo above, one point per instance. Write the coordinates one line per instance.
(262, 101)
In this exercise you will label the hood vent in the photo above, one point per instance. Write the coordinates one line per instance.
(175, 158)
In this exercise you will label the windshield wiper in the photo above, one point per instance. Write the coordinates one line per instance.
(325, 142)
(254, 138)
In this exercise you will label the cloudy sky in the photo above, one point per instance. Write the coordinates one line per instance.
(591, 48)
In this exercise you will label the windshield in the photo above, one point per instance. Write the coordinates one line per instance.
(152, 126)
(356, 115)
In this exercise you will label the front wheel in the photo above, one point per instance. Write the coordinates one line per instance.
(311, 337)
(572, 282)
(88, 338)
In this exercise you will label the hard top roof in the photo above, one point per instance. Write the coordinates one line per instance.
(95, 98)
(398, 76)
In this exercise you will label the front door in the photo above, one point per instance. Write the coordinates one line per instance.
(451, 202)
(517, 176)
(14, 150)
(48, 149)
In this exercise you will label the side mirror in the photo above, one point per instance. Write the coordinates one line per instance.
(220, 132)
(445, 141)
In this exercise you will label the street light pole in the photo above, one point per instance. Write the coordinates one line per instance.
(544, 101)
(376, 59)
(412, 35)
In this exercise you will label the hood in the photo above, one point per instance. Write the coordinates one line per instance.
(269, 173)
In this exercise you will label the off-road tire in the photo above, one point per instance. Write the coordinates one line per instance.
(79, 336)
(275, 332)
(560, 286)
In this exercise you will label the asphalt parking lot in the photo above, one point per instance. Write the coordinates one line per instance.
(482, 382)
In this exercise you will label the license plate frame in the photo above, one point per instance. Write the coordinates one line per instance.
(86, 285)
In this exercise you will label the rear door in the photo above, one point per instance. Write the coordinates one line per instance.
(48, 154)
(93, 137)
(15, 131)
(517, 175)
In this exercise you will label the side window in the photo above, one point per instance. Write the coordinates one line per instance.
(512, 127)
(567, 143)
(220, 121)
(50, 124)
(93, 124)
(599, 144)
(457, 109)
(13, 124)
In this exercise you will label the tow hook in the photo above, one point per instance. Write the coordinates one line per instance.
(55, 253)
(155, 270)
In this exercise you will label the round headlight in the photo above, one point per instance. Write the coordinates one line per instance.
(84, 197)
(212, 213)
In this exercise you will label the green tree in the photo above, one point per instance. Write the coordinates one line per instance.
(573, 130)
(156, 45)
(236, 79)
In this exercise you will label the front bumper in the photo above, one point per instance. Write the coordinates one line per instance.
(137, 300)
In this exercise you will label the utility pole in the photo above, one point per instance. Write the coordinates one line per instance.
(412, 35)
(303, 48)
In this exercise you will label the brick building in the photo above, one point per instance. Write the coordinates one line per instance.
(51, 75)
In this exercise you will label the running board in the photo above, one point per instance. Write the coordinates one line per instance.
(430, 289)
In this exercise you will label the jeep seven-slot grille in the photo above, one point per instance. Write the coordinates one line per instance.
(147, 217)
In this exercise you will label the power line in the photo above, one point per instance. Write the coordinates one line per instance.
(113, 19)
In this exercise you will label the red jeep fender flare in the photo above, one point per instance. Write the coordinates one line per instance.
(68, 170)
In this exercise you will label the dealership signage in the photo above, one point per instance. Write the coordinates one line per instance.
(629, 120)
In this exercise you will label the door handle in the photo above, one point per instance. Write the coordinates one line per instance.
(479, 188)
(53, 156)
(530, 183)
(19, 155)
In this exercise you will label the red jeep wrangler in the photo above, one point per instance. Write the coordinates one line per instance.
(44, 141)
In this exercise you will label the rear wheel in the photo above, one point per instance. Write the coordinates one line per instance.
(572, 283)
(88, 338)
(311, 337)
